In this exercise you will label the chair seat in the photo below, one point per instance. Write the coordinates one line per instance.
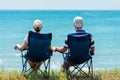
(36, 58)
(79, 60)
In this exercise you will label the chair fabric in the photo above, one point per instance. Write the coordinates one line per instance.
(38, 46)
(78, 48)
(38, 52)
(78, 56)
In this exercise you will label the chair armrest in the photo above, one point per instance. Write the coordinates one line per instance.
(91, 53)
(50, 52)
(24, 49)
(62, 52)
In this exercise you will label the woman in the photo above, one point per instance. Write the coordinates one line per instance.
(37, 25)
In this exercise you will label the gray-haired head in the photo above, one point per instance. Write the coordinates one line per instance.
(37, 24)
(78, 21)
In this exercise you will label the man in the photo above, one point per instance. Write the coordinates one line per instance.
(78, 26)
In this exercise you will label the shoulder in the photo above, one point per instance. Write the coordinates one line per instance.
(88, 33)
(72, 33)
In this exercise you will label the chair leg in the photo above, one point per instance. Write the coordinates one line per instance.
(46, 72)
(91, 69)
(26, 71)
(47, 69)
(68, 73)
(24, 64)
(78, 73)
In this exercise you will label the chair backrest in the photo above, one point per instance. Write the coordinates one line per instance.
(79, 46)
(38, 45)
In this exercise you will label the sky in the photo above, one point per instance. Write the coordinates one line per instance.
(59, 4)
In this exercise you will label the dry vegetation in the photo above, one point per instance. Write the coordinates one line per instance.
(98, 75)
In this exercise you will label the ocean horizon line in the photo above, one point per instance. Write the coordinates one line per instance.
(54, 10)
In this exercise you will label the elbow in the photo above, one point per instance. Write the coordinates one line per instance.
(20, 49)
(64, 49)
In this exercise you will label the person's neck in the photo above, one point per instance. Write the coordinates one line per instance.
(78, 28)
(37, 32)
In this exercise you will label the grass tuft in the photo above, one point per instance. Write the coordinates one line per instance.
(113, 74)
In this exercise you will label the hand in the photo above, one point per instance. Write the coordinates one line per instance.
(91, 53)
(54, 49)
(15, 47)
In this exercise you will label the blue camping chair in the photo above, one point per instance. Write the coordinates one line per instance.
(37, 52)
(78, 59)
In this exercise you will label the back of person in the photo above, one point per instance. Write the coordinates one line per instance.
(33, 44)
(38, 46)
(79, 32)
(78, 46)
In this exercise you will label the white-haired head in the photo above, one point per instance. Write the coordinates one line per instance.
(78, 21)
(37, 24)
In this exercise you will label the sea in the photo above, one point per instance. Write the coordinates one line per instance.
(104, 25)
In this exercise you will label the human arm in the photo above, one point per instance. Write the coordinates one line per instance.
(61, 49)
(24, 44)
(92, 45)
(21, 47)
(52, 48)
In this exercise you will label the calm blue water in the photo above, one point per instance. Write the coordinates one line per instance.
(104, 25)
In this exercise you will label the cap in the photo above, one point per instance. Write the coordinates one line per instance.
(78, 21)
(37, 24)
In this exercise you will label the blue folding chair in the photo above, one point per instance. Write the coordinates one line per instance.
(37, 52)
(78, 59)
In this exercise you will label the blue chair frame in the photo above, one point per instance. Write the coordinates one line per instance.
(37, 51)
(78, 57)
